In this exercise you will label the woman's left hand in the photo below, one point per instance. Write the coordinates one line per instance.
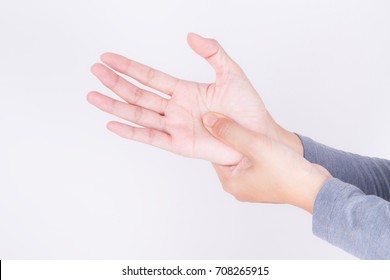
(172, 120)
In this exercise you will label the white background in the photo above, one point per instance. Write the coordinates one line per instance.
(69, 189)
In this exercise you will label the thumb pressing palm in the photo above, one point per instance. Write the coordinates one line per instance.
(269, 172)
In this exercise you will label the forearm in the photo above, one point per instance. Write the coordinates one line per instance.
(347, 218)
(371, 175)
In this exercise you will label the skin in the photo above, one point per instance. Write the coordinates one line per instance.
(173, 122)
(269, 172)
(255, 158)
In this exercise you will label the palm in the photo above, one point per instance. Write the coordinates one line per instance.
(175, 124)
(191, 101)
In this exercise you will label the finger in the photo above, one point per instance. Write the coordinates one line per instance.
(212, 51)
(135, 114)
(144, 74)
(127, 91)
(231, 133)
(144, 135)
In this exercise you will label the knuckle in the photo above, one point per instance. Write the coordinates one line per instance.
(137, 114)
(213, 49)
(128, 64)
(150, 74)
(214, 42)
(111, 106)
(150, 136)
(115, 82)
(137, 95)
(162, 124)
(173, 88)
(129, 133)
(163, 104)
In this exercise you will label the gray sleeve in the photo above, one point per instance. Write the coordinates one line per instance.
(371, 175)
(357, 223)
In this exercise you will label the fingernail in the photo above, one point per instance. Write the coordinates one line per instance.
(209, 120)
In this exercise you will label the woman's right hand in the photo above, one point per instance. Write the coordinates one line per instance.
(269, 172)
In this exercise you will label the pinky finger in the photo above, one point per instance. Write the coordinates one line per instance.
(148, 136)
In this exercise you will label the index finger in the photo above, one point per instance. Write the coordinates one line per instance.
(144, 74)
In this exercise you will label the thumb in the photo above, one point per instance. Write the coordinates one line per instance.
(231, 133)
(212, 51)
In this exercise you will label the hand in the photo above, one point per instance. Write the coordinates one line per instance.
(269, 172)
(174, 123)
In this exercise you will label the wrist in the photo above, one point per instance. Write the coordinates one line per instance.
(290, 140)
(285, 137)
(317, 178)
